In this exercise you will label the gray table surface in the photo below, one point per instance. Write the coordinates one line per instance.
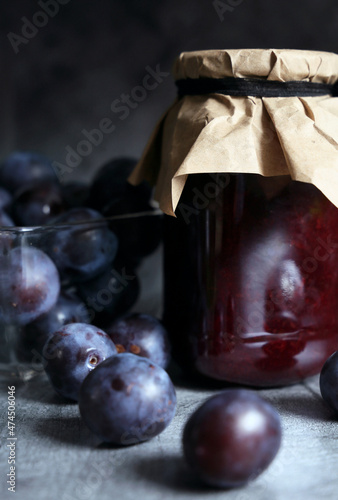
(58, 457)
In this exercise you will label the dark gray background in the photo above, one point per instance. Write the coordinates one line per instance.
(66, 77)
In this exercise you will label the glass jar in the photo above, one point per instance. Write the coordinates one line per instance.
(251, 266)
(245, 167)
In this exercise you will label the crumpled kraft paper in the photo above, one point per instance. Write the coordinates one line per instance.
(213, 133)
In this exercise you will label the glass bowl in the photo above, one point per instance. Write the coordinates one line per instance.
(76, 272)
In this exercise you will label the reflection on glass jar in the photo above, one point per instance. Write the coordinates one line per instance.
(251, 278)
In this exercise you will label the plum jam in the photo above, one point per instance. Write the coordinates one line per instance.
(251, 268)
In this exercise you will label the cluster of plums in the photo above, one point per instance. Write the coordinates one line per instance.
(118, 376)
(116, 371)
(69, 252)
(125, 397)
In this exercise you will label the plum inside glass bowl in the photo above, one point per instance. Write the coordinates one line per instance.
(62, 260)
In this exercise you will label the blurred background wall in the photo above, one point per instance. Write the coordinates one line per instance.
(65, 62)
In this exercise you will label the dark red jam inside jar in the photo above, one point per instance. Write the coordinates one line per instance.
(251, 278)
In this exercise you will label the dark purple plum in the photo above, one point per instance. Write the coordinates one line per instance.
(68, 309)
(113, 196)
(71, 353)
(29, 285)
(231, 438)
(138, 235)
(7, 237)
(75, 194)
(81, 250)
(5, 219)
(127, 399)
(5, 199)
(328, 381)
(110, 294)
(110, 182)
(143, 335)
(37, 204)
(23, 167)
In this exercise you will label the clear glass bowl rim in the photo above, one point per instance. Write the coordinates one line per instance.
(81, 223)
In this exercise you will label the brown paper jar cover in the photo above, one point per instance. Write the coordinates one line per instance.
(271, 136)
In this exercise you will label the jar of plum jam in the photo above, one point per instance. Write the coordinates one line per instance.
(245, 164)
(251, 280)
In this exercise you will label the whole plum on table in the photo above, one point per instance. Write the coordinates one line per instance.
(143, 335)
(328, 381)
(232, 438)
(127, 399)
(71, 353)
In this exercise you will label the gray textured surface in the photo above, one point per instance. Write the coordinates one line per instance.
(59, 459)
